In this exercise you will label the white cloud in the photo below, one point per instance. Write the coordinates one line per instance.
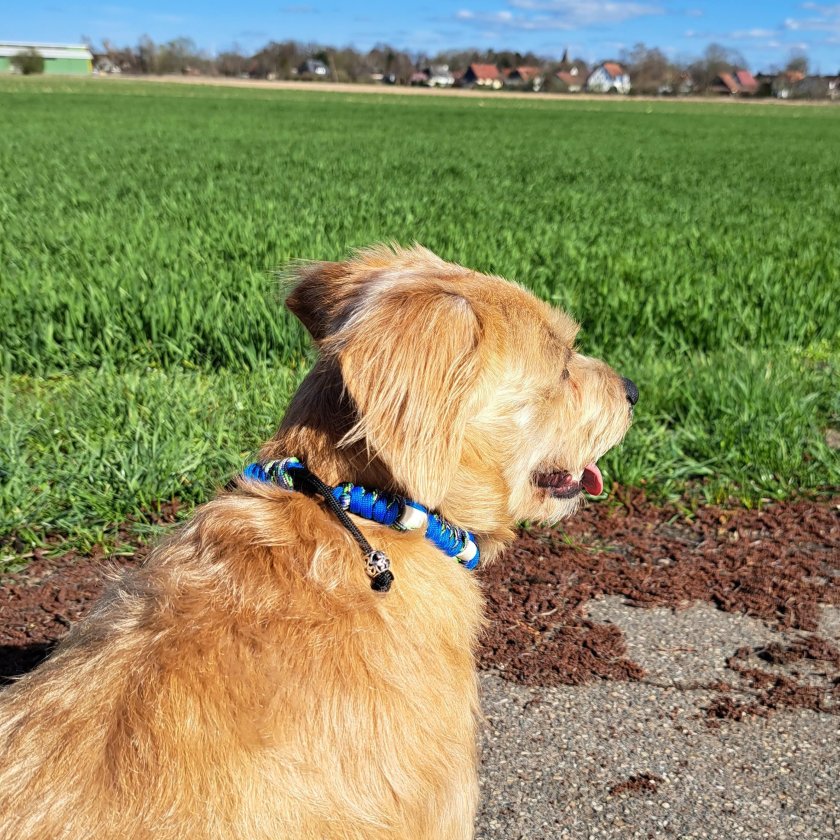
(507, 20)
(538, 15)
(827, 20)
(749, 34)
(821, 9)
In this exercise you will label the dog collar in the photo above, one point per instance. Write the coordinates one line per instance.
(387, 509)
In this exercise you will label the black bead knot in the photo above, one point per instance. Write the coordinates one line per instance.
(382, 582)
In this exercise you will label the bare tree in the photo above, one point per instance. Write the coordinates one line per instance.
(147, 55)
(649, 69)
(797, 63)
(717, 59)
(232, 62)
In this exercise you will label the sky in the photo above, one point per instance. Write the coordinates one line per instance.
(766, 32)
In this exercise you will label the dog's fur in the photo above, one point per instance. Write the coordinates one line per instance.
(246, 683)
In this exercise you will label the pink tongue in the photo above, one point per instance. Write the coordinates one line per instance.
(592, 480)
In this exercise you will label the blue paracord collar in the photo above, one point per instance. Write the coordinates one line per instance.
(384, 508)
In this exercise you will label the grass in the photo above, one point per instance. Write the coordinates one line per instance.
(145, 352)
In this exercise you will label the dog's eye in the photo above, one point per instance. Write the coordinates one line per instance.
(565, 375)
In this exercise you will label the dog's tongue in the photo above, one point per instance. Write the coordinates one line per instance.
(592, 480)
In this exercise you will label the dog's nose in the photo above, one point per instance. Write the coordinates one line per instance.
(631, 390)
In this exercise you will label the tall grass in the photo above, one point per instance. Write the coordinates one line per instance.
(140, 225)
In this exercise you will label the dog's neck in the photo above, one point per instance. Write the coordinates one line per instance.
(317, 420)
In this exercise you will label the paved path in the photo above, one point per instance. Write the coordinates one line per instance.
(552, 755)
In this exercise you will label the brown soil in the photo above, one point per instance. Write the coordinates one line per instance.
(816, 686)
(778, 564)
(641, 784)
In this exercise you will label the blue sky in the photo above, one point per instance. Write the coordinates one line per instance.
(765, 31)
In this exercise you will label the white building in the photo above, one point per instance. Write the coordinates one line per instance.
(609, 77)
(438, 75)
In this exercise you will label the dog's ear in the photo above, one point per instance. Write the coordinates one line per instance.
(409, 359)
(320, 290)
(324, 294)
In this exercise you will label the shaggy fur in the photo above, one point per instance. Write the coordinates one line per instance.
(246, 683)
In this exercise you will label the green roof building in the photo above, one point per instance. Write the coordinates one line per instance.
(65, 59)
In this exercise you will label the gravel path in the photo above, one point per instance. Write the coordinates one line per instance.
(553, 758)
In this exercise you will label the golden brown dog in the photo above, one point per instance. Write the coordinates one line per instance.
(246, 683)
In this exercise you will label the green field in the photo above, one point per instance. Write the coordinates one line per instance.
(145, 352)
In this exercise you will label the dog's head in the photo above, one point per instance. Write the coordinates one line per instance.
(466, 387)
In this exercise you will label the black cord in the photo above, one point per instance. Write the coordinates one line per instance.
(378, 565)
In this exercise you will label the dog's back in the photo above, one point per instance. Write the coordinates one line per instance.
(234, 688)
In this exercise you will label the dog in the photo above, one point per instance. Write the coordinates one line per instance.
(248, 681)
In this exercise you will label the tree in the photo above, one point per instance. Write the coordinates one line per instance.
(147, 55)
(716, 60)
(649, 69)
(28, 62)
(126, 58)
(797, 63)
(232, 62)
(276, 60)
(350, 66)
(179, 56)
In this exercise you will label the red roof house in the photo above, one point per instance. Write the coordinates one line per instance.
(746, 81)
(523, 74)
(613, 68)
(482, 75)
(571, 82)
(741, 82)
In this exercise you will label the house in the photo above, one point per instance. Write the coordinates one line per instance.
(746, 81)
(724, 83)
(569, 81)
(681, 86)
(576, 67)
(438, 75)
(313, 68)
(738, 83)
(482, 75)
(609, 77)
(59, 59)
(103, 64)
(522, 75)
(784, 85)
(818, 87)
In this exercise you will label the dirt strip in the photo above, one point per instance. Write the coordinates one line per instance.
(468, 93)
(779, 565)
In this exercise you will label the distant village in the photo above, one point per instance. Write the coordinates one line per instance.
(640, 71)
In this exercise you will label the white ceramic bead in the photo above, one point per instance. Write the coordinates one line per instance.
(411, 519)
(469, 552)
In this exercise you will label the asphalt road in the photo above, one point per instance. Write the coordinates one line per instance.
(552, 757)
